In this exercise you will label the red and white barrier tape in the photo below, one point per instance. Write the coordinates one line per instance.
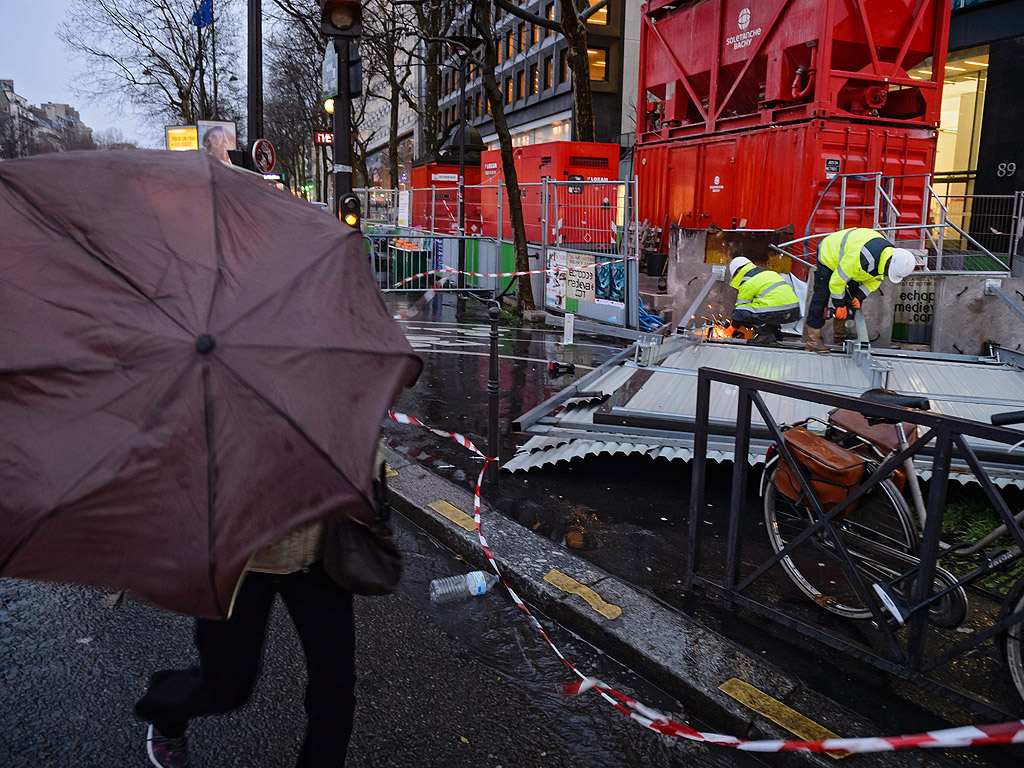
(556, 270)
(1011, 732)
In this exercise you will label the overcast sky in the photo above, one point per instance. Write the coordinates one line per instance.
(39, 64)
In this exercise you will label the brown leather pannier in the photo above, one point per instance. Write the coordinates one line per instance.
(834, 471)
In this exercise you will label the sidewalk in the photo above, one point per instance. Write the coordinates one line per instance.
(684, 657)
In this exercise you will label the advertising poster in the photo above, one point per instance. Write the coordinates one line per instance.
(914, 312)
(181, 137)
(216, 138)
(580, 283)
(554, 280)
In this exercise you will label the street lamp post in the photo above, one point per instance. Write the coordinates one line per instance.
(465, 45)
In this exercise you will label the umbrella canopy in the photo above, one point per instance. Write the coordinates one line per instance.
(192, 364)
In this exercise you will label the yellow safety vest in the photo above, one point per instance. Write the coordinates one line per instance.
(857, 255)
(761, 290)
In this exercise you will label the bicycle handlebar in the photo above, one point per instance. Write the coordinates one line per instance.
(888, 397)
(1008, 417)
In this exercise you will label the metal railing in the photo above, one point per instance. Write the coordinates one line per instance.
(752, 580)
(572, 228)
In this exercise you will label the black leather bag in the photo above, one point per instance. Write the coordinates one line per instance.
(364, 559)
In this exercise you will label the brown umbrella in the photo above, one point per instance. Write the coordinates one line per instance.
(192, 364)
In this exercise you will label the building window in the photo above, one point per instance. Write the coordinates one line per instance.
(520, 85)
(547, 73)
(563, 65)
(534, 80)
(508, 90)
(479, 104)
(598, 58)
(521, 34)
(600, 16)
(509, 45)
(534, 34)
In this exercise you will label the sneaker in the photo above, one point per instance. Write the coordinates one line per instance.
(164, 752)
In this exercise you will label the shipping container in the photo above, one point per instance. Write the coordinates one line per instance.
(435, 198)
(571, 215)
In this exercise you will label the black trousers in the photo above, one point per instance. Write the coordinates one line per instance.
(771, 319)
(229, 662)
(819, 297)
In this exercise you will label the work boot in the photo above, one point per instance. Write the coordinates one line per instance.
(814, 342)
(839, 334)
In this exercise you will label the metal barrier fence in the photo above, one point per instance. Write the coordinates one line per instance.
(579, 233)
(992, 221)
(744, 575)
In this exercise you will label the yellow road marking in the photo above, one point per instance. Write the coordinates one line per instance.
(389, 472)
(803, 727)
(454, 514)
(569, 584)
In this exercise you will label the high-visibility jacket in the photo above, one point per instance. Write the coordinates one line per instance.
(761, 290)
(858, 255)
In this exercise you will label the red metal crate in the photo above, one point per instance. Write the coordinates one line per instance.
(773, 177)
(557, 161)
(435, 198)
(718, 65)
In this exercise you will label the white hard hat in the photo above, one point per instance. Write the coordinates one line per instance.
(901, 264)
(736, 263)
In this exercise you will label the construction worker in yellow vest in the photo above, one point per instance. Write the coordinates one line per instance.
(765, 301)
(851, 264)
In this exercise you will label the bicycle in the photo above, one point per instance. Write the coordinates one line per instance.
(880, 534)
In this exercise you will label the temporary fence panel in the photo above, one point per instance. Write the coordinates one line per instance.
(990, 220)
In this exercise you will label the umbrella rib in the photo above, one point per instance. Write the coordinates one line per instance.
(298, 429)
(211, 492)
(91, 253)
(59, 505)
(295, 279)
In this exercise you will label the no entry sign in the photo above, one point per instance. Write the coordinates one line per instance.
(263, 156)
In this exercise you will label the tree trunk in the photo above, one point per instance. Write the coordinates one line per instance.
(524, 290)
(574, 29)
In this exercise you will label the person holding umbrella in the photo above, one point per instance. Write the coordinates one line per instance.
(182, 388)
(230, 652)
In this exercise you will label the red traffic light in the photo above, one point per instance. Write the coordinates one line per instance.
(341, 18)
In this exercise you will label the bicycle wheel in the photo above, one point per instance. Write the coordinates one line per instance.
(814, 566)
(1013, 647)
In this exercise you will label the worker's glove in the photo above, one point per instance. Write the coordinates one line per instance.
(853, 303)
(839, 312)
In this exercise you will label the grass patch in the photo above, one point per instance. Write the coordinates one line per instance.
(969, 517)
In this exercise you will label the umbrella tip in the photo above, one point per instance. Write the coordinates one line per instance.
(204, 344)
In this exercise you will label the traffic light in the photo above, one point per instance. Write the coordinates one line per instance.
(351, 210)
(341, 18)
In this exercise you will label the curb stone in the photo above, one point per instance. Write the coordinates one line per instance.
(686, 658)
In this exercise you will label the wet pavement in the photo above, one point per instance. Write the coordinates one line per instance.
(467, 684)
(628, 514)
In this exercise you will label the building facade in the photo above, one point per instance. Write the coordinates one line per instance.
(29, 130)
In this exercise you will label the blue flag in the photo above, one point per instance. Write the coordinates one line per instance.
(204, 16)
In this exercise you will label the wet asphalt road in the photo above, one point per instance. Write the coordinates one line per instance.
(465, 685)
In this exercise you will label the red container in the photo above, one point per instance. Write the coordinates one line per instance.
(435, 198)
(773, 177)
(564, 161)
(718, 65)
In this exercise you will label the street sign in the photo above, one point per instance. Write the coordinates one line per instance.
(323, 137)
(329, 74)
(263, 156)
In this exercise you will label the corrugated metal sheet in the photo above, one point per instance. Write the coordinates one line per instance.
(969, 390)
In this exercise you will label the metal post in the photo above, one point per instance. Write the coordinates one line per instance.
(342, 128)
(739, 487)
(463, 59)
(699, 466)
(255, 69)
(493, 390)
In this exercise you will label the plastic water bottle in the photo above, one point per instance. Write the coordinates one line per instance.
(459, 587)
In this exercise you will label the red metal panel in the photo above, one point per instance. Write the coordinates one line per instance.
(435, 197)
(558, 161)
(717, 65)
(775, 176)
